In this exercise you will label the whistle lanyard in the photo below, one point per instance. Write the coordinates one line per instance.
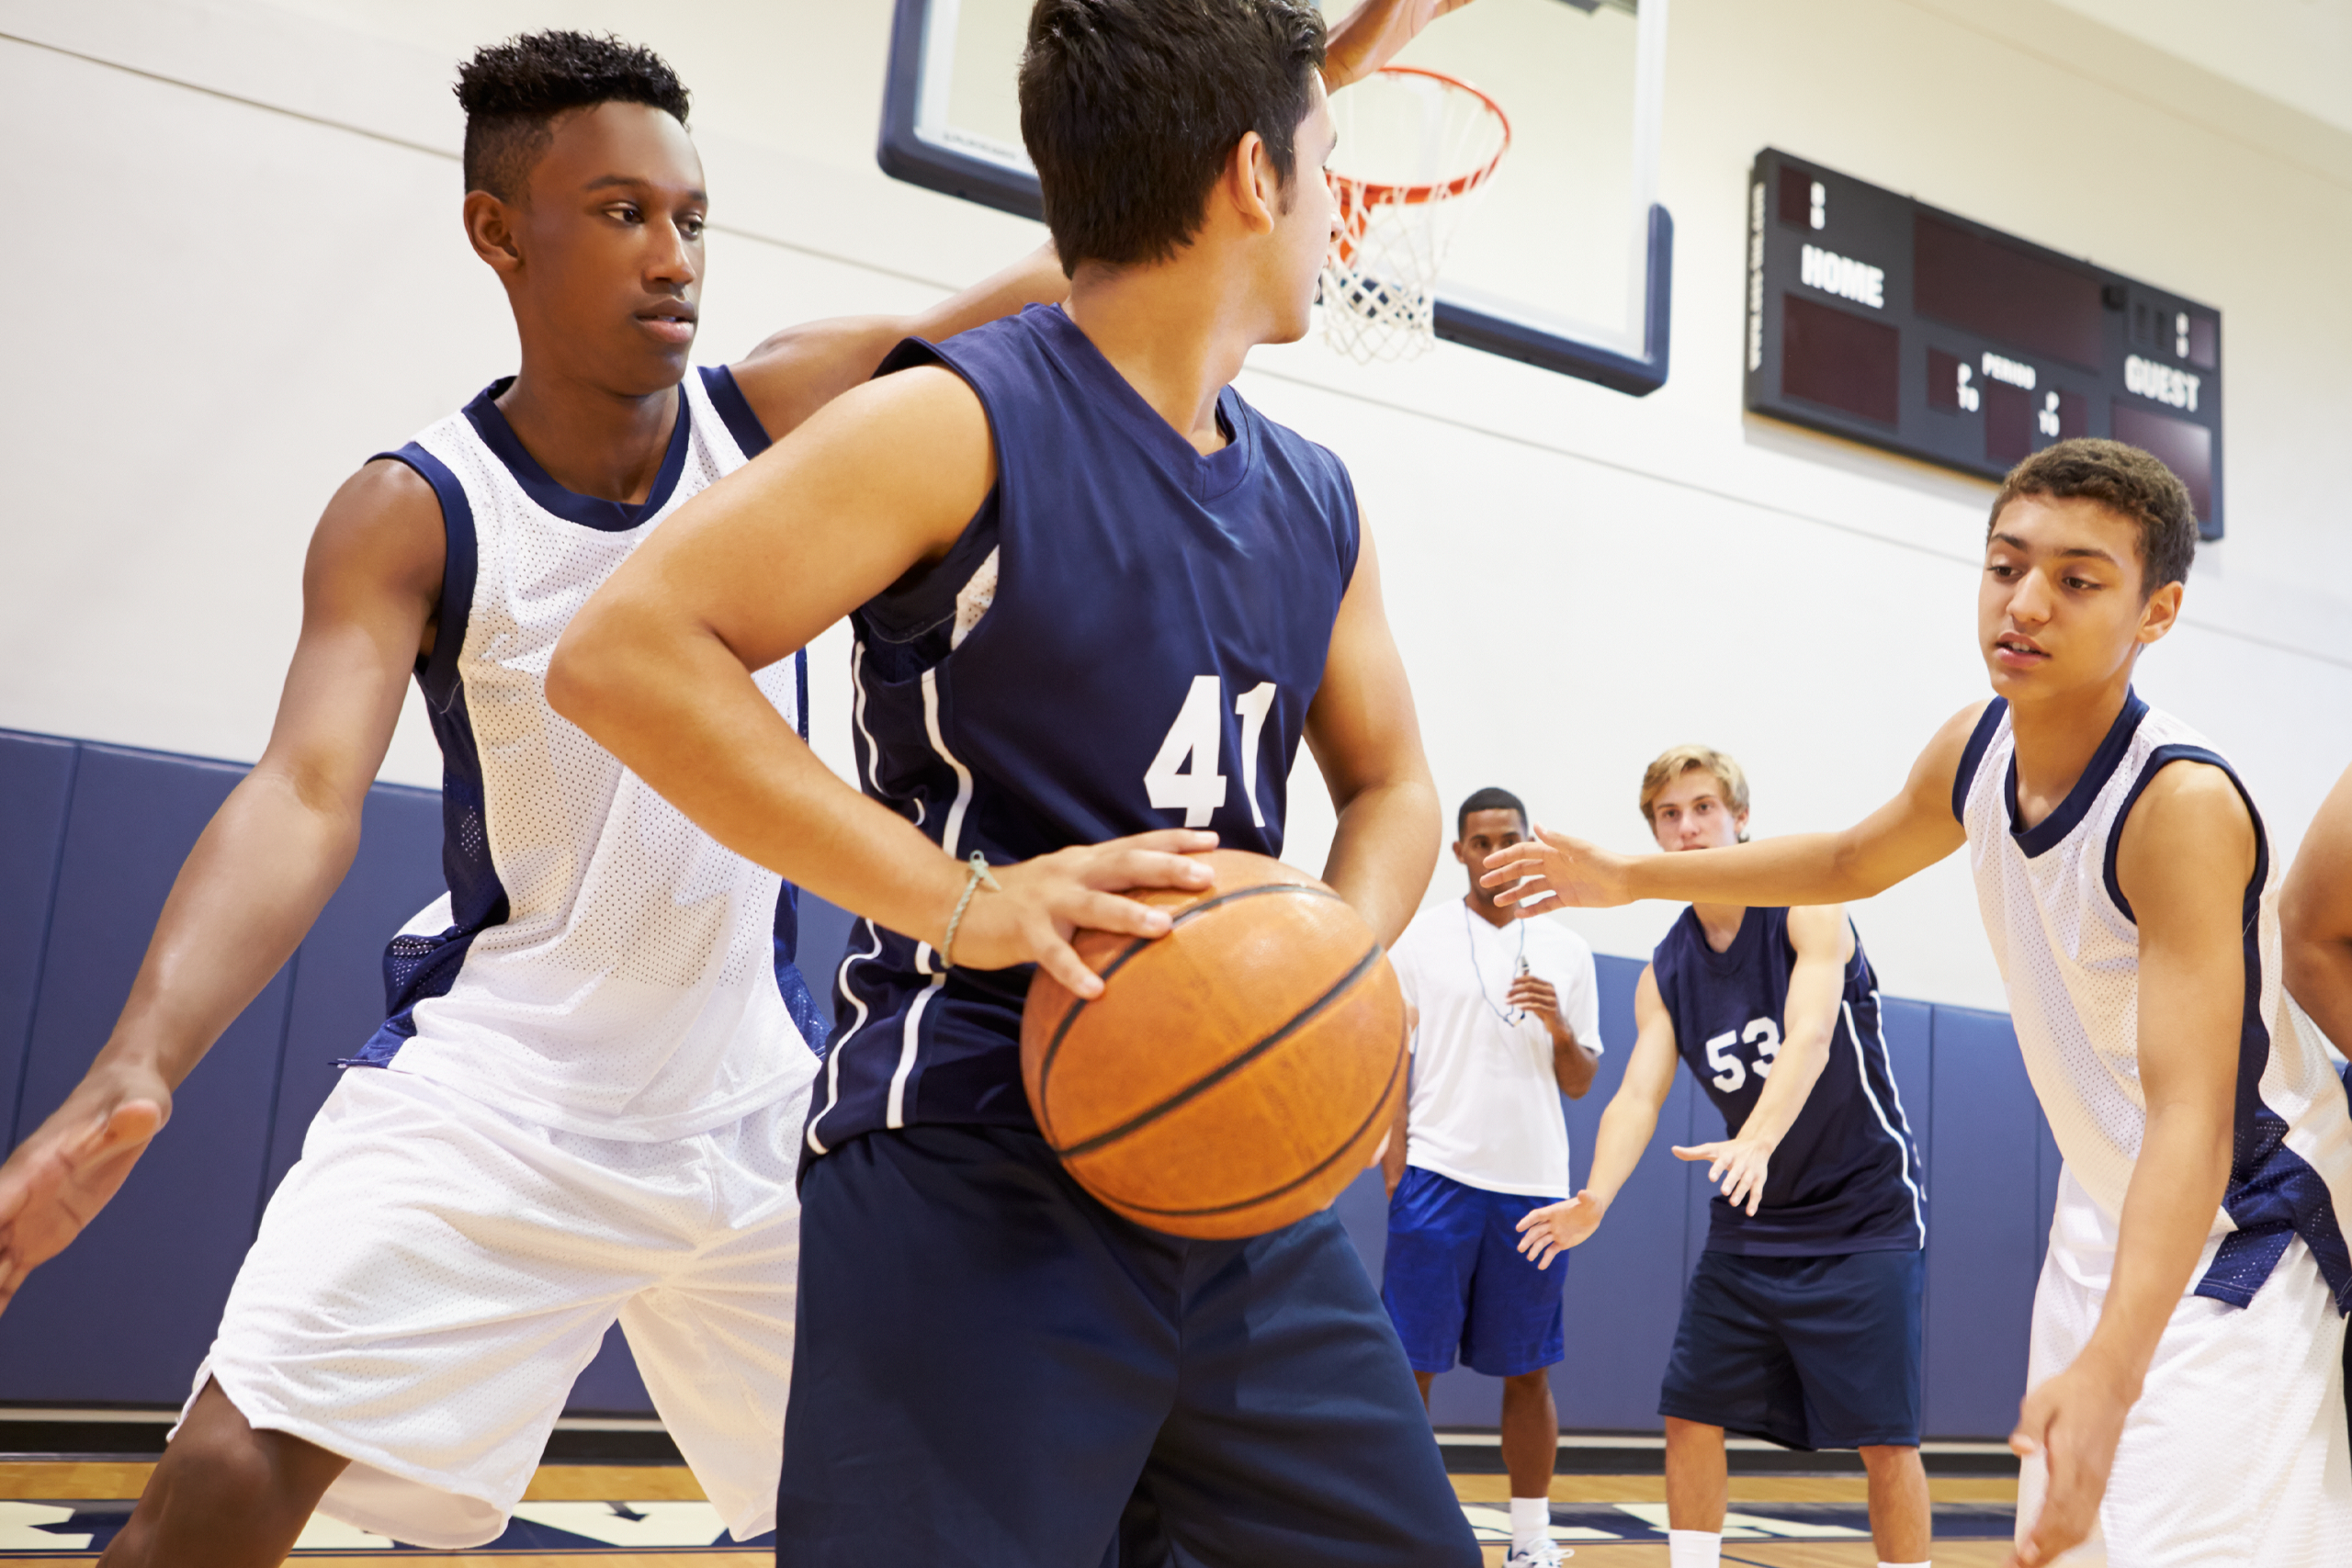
(1518, 967)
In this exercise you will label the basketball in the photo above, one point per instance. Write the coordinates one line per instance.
(1235, 1074)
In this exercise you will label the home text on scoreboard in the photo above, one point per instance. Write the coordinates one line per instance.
(1875, 317)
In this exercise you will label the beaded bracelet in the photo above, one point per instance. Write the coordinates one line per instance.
(980, 876)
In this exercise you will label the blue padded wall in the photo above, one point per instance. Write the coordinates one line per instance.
(92, 836)
(126, 1313)
(36, 784)
(1623, 1285)
(1983, 1236)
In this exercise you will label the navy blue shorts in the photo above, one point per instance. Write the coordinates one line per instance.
(1454, 1276)
(996, 1371)
(1805, 1352)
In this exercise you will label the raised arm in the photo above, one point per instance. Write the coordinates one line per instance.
(1625, 1130)
(264, 867)
(2187, 855)
(802, 369)
(657, 667)
(2315, 908)
(1366, 38)
(1825, 944)
(1902, 837)
(1367, 740)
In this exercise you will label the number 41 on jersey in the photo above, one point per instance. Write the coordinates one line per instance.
(1185, 776)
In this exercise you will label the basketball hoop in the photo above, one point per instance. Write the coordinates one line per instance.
(1431, 140)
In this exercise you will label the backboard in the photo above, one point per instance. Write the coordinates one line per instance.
(1565, 261)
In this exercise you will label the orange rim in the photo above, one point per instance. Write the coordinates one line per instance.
(1357, 197)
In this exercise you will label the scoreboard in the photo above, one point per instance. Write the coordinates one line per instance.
(1878, 317)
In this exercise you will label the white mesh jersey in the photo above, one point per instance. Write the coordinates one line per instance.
(2069, 953)
(599, 965)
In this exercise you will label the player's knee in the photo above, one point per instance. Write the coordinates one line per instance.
(1879, 1457)
(1537, 1381)
(227, 1471)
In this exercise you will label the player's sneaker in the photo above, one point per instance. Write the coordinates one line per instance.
(1543, 1554)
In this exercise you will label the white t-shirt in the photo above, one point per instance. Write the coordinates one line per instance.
(1485, 1105)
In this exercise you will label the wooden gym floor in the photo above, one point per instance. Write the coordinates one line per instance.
(90, 1482)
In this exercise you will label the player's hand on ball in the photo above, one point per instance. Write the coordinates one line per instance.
(1580, 875)
(1044, 902)
(1736, 1165)
(60, 1178)
(1547, 1232)
(2073, 1421)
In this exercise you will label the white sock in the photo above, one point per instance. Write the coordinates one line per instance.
(1530, 1522)
(1907, 1565)
(1694, 1549)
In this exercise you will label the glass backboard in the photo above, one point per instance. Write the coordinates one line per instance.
(1563, 261)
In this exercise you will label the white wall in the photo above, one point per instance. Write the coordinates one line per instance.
(236, 259)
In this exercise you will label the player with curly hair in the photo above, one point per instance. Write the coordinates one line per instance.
(2184, 1397)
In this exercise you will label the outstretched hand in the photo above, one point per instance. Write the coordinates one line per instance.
(1369, 37)
(1580, 876)
(1042, 903)
(58, 1179)
(1738, 1165)
(1546, 1232)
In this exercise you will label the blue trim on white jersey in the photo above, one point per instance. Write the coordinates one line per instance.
(1972, 757)
(751, 439)
(735, 409)
(2051, 830)
(588, 511)
(2156, 760)
(436, 672)
(2273, 1195)
(416, 966)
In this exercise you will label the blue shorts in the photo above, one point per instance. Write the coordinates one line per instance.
(1805, 1352)
(994, 1369)
(1454, 1276)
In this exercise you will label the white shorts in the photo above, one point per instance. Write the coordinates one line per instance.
(2237, 1452)
(432, 1276)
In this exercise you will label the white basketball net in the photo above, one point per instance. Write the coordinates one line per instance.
(1418, 146)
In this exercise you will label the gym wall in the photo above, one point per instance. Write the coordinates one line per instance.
(91, 839)
(243, 274)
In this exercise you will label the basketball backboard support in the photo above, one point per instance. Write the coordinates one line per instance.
(1565, 262)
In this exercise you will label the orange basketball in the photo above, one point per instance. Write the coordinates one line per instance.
(1235, 1074)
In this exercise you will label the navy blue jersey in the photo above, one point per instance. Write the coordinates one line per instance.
(1847, 1177)
(1158, 627)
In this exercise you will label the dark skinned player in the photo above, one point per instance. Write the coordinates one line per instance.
(466, 1179)
(585, 198)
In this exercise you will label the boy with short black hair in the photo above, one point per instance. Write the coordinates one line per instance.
(2188, 1329)
(584, 1102)
(1507, 1018)
(1097, 618)
(1801, 1323)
